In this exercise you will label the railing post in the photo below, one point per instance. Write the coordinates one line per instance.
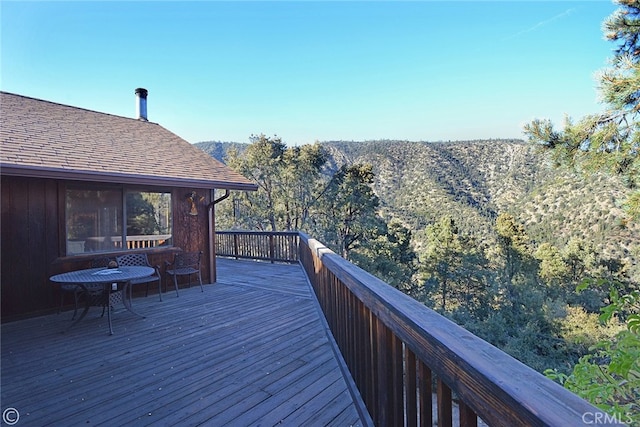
(272, 255)
(235, 245)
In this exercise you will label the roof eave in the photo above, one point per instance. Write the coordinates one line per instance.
(93, 176)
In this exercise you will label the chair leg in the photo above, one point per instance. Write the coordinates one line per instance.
(75, 303)
(200, 279)
(61, 302)
(106, 305)
(109, 312)
(175, 283)
(160, 289)
(164, 279)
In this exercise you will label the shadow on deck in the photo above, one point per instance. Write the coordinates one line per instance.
(252, 349)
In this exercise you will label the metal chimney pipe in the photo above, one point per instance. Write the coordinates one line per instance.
(141, 103)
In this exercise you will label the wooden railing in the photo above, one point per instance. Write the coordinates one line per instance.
(147, 241)
(400, 354)
(109, 242)
(262, 245)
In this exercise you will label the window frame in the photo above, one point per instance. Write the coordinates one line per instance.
(124, 189)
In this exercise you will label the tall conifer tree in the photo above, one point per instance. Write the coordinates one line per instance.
(609, 141)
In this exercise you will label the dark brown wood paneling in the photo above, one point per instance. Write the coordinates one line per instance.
(191, 232)
(29, 243)
(10, 235)
(33, 243)
(34, 277)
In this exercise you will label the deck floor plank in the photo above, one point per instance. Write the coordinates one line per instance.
(249, 350)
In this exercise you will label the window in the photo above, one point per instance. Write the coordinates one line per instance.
(100, 220)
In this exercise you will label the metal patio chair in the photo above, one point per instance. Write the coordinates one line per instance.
(89, 290)
(184, 264)
(140, 260)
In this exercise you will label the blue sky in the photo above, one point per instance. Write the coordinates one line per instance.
(313, 71)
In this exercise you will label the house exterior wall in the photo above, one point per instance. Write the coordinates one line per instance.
(32, 242)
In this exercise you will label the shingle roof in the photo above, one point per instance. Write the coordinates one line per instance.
(45, 139)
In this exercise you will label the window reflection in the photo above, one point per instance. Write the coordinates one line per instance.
(94, 220)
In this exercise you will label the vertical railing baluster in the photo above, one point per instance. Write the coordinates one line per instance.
(468, 417)
(272, 249)
(378, 360)
(445, 410)
(425, 397)
(410, 390)
(397, 383)
(370, 361)
(361, 354)
(349, 353)
(235, 245)
(353, 330)
(385, 380)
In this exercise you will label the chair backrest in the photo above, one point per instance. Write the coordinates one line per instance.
(187, 259)
(100, 262)
(132, 260)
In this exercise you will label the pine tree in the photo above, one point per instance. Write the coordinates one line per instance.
(286, 178)
(443, 259)
(389, 256)
(346, 215)
(609, 141)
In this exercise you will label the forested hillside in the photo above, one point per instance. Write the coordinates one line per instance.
(473, 181)
(488, 233)
(510, 243)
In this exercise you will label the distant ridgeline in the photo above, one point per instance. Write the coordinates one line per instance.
(474, 181)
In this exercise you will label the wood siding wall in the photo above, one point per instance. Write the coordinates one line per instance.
(33, 243)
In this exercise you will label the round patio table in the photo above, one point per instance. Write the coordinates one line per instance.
(106, 277)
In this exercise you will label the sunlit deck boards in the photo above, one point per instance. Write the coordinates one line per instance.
(250, 350)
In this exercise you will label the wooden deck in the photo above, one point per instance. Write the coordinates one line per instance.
(251, 350)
